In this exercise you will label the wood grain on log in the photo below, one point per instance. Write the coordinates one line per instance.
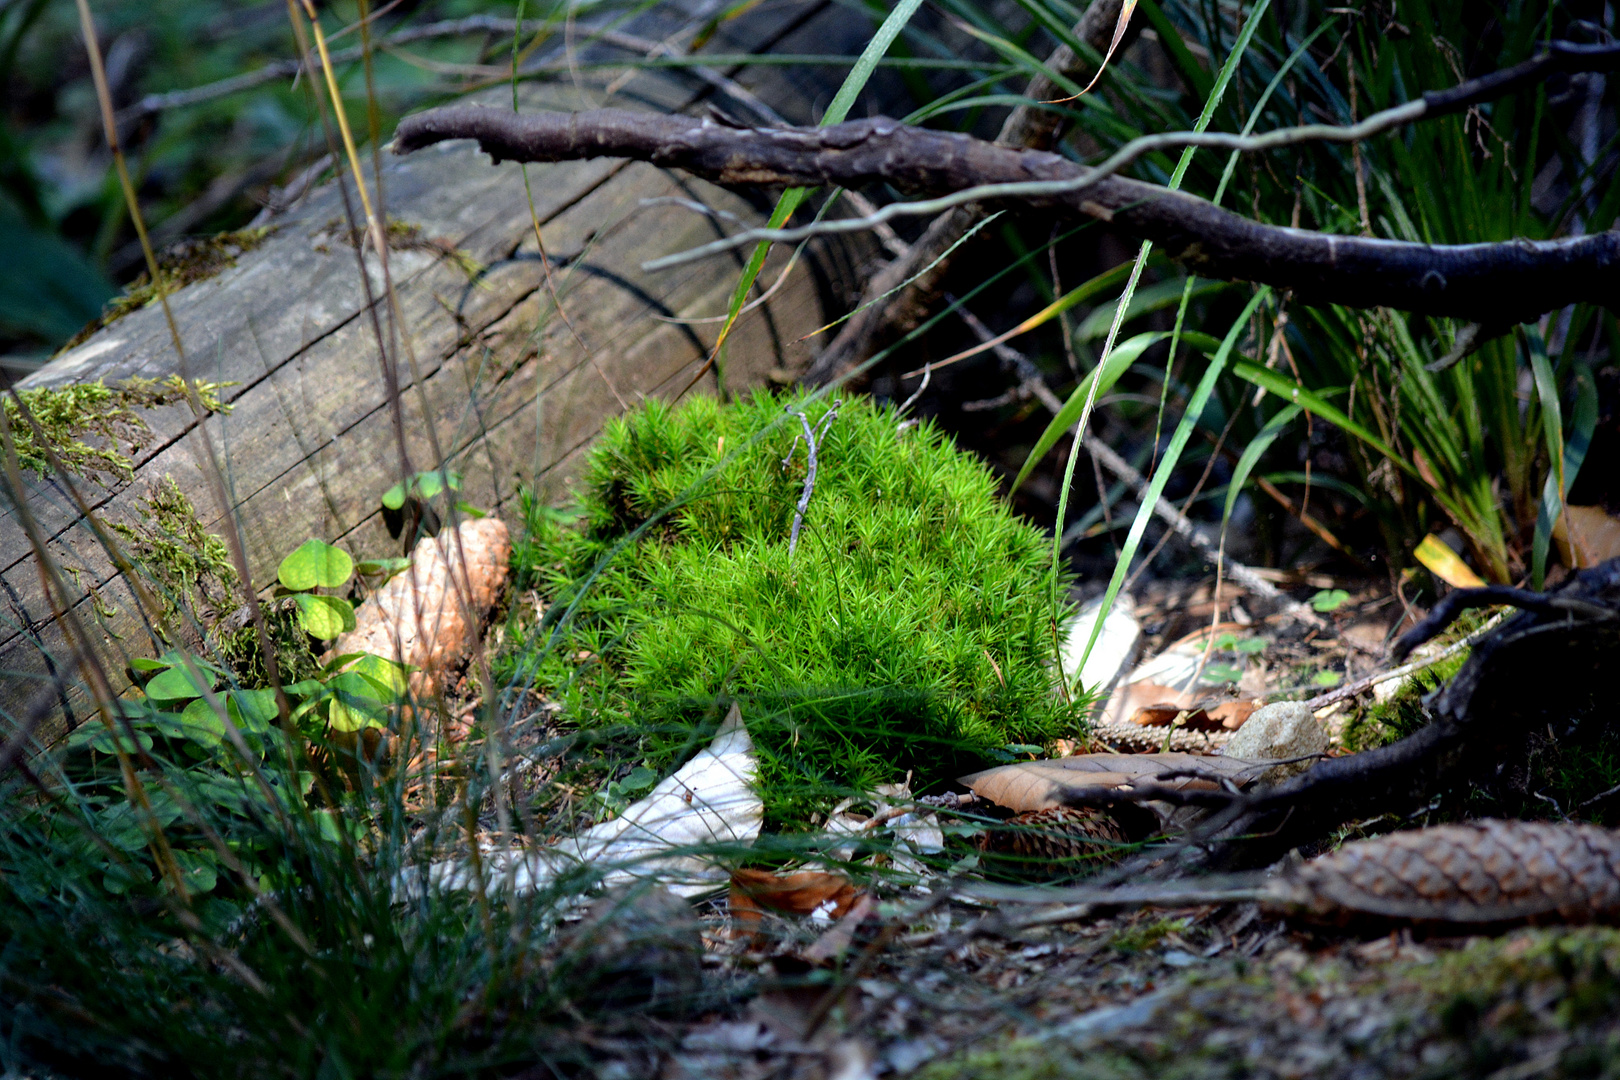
(309, 445)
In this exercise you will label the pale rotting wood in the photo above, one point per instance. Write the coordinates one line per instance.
(308, 448)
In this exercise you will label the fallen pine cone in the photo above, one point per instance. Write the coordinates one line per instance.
(1470, 877)
(1057, 834)
(1471, 874)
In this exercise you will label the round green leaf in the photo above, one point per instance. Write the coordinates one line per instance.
(1327, 678)
(198, 870)
(387, 676)
(1252, 645)
(351, 715)
(324, 617)
(428, 484)
(306, 688)
(253, 710)
(640, 779)
(178, 684)
(202, 724)
(394, 497)
(389, 567)
(99, 739)
(315, 563)
(1329, 600)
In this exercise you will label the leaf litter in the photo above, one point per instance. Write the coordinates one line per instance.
(855, 970)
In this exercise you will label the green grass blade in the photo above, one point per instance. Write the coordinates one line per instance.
(1288, 390)
(1109, 371)
(1172, 455)
(1566, 457)
(1213, 101)
(1251, 456)
(836, 111)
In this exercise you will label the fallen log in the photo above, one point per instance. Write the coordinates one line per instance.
(489, 380)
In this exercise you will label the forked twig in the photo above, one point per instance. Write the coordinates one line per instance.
(812, 438)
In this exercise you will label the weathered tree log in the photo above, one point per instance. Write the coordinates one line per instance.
(505, 385)
(1494, 283)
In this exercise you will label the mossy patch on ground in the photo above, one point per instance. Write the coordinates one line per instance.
(911, 629)
(58, 419)
(1532, 1003)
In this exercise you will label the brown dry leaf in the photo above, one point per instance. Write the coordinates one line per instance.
(1165, 715)
(1586, 536)
(428, 616)
(1232, 714)
(755, 891)
(1027, 786)
(1125, 11)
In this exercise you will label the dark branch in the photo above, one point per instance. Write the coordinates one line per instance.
(1560, 56)
(1446, 611)
(1498, 283)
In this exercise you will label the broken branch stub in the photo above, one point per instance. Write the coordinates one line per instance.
(1495, 283)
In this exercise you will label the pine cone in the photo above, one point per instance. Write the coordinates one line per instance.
(1057, 834)
(1469, 874)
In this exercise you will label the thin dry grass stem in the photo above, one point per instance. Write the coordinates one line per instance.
(211, 468)
(89, 664)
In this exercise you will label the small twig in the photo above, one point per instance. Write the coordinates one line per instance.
(928, 375)
(1350, 690)
(811, 438)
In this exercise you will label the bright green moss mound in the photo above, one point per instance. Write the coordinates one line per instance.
(910, 629)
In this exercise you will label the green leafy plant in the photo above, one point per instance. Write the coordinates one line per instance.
(1327, 600)
(424, 486)
(318, 565)
(907, 630)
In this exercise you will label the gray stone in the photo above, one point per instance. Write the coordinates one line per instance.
(1279, 732)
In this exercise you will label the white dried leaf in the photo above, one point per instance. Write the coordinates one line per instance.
(710, 800)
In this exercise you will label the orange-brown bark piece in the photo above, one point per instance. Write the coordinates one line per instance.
(429, 615)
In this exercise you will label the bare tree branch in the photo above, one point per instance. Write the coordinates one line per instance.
(1495, 283)
(923, 267)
